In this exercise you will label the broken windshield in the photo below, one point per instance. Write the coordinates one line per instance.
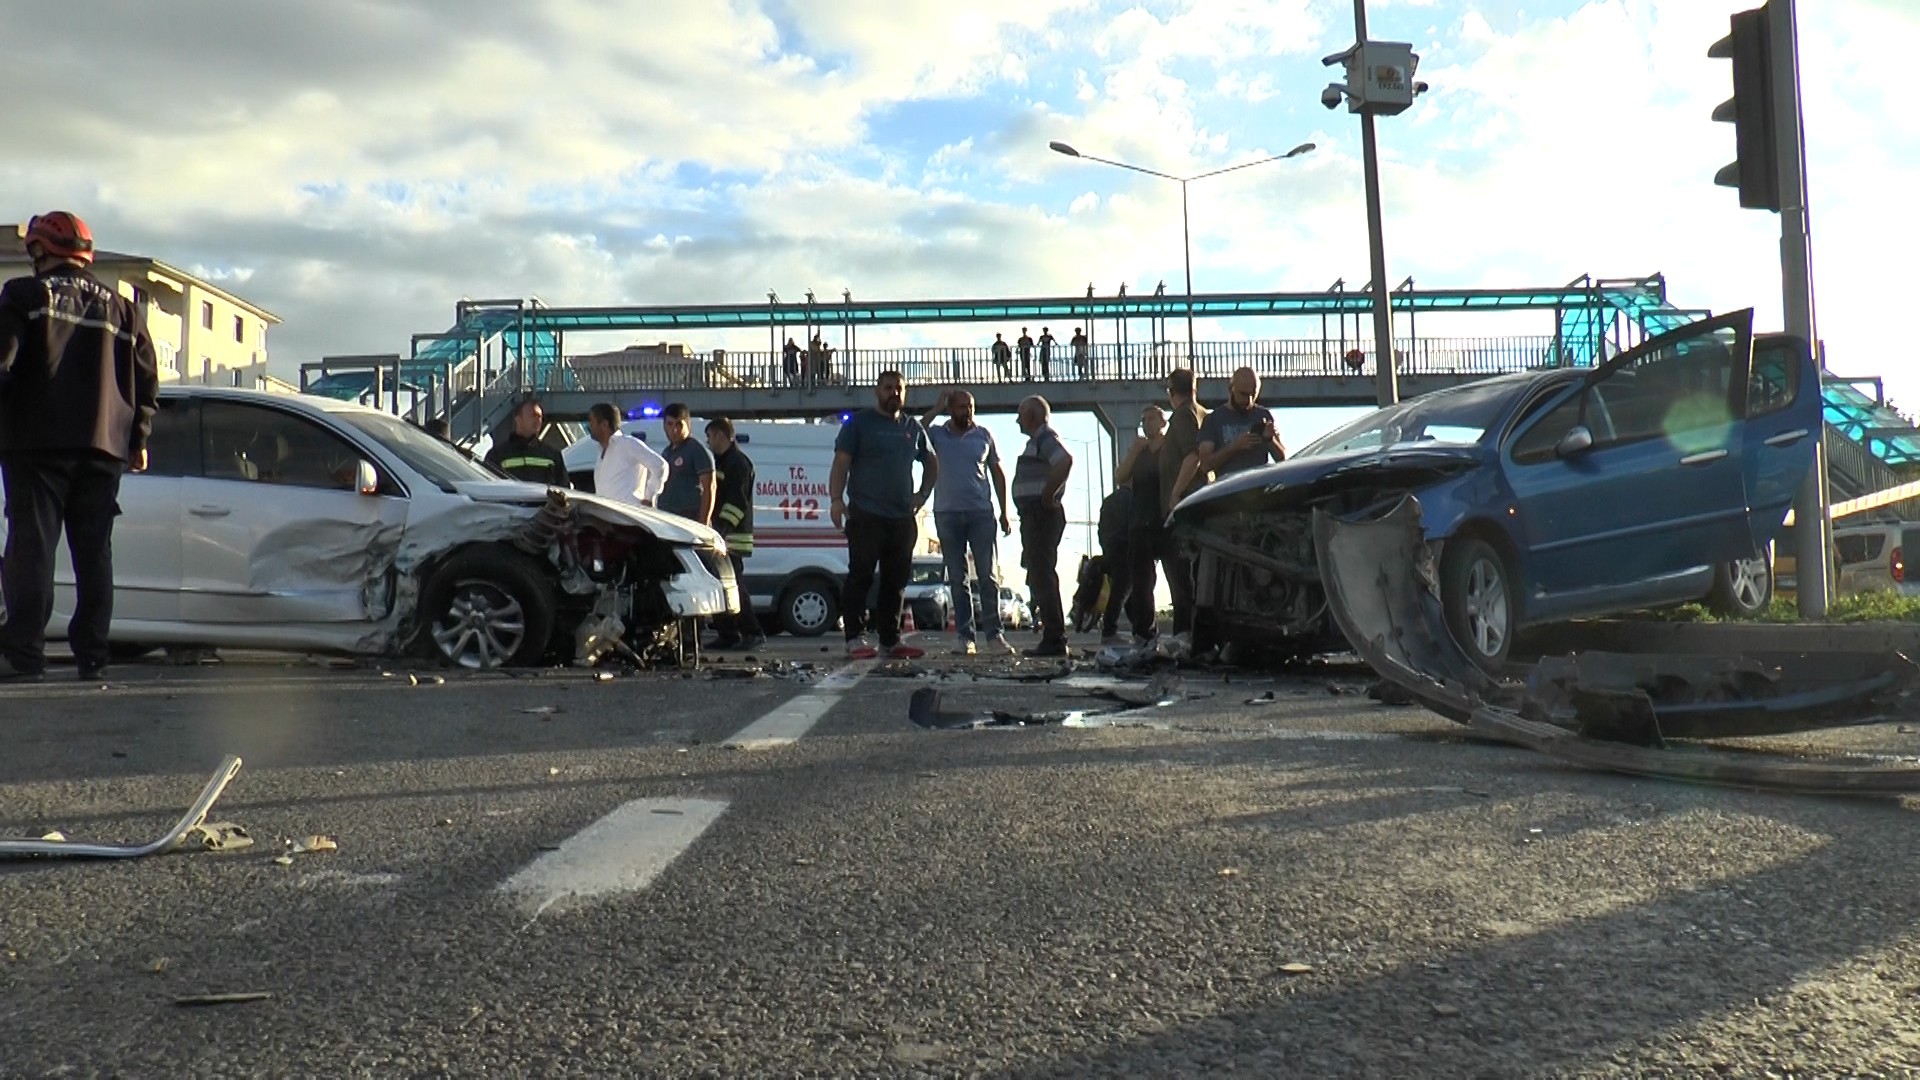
(1448, 417)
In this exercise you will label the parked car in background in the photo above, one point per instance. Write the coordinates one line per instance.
(1013, 610)
(928, 596)
(1657, 478)
(276, 521)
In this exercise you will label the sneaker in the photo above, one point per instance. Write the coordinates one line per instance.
(721, 644)
(861, 648)
(1049, 648)
(92, 672)
(1174, 646)
(758, 641)
(999, 643)
(965, 648)
(904, 651)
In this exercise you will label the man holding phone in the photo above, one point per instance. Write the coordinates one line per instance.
(1242, 435)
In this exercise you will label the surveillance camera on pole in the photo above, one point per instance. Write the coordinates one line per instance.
(1380, 78)
(1379, 82)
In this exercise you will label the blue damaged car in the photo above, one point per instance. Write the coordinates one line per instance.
(1657, 478)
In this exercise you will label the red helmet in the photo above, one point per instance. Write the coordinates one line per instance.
(61, 235)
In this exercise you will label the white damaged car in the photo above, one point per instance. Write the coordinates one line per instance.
(270, 521)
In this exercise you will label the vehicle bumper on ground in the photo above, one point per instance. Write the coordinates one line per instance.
(705, 585)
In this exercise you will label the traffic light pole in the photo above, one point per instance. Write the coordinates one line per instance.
(1813, 531)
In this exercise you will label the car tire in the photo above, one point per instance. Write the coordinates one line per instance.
(487, 608)
(1742, 589)
(1477, 597)
(809, 607)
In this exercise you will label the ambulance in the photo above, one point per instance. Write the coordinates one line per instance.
(799, 562)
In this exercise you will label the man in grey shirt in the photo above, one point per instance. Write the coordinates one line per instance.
(963, 501)
(873, 461)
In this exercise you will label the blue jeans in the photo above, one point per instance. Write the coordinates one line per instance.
(959, 531)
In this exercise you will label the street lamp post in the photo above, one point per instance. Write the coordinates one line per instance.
(1186, 233)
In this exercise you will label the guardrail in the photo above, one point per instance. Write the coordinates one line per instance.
(1273, 359)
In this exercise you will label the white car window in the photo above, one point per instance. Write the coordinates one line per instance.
(268, 446)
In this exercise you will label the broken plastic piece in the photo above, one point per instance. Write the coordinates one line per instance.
(195, 814)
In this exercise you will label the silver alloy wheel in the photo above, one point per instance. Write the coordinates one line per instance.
(482, 627)
(1748, 583)
(809, 608)
(1488, 615)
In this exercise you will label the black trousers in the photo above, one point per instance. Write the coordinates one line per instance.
(746, 624)
(45, 493)
(888, 544)
(1179, 571)
(1143, 557)
(1118, 561)
(1041, 528)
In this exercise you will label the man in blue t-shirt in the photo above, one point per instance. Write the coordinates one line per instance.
(875, 502)
(1241, 435)
(689, 488)
(971, 475)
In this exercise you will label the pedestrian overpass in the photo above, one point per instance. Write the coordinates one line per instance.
(498, 351)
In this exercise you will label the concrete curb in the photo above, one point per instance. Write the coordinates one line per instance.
(1629, 636)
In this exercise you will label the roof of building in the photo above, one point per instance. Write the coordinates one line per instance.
(13, 252)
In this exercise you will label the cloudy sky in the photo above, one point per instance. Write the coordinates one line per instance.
(358, 167)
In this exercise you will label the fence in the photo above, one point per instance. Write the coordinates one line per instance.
(1273, 359)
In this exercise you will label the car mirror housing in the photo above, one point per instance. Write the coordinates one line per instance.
(1578, 440)
(366, 479)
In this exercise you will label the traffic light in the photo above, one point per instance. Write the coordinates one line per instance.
(1756, 168)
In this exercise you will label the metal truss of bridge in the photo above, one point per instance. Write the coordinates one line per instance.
(498, 350)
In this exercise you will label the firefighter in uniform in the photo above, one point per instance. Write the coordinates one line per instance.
(78, 390)
(733, 519)
(524, 455)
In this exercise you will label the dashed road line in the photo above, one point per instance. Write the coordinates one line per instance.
(796, 717)
(621, 853)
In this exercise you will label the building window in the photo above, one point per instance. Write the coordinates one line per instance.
(139, 297)
(239, 328)
(206, 315)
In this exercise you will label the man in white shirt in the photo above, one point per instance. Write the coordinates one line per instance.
(627, 470)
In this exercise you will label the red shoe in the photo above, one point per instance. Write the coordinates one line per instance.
(861, 649)
(903, 651)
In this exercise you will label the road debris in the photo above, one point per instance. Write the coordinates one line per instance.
(312, 845)
(202, 1000)
(219, 836)
(1379, 577)
(197, 813)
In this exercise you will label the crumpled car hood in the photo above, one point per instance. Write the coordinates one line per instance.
(668, 527)
(1301, 473)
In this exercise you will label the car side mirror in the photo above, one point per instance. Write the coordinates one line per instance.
(366, 479)
(1578, 440)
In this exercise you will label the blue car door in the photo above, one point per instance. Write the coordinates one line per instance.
(1643, 505)
(1783, 410)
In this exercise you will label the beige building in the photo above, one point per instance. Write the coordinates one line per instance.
(201, 332)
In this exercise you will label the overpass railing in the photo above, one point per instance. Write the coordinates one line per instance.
(1274, 358)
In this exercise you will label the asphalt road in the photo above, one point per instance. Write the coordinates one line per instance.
(1316, 885)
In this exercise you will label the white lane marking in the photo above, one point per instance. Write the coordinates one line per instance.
(796, 717)
(622, 852)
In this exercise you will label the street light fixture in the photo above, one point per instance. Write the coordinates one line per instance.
(1186, 234)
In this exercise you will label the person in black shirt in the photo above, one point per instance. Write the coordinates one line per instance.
(78, 389)
(523, 455)
(1146, 526)
(1026, 355)
(733, 519)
